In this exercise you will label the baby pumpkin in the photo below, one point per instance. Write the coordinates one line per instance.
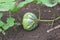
(29, 21)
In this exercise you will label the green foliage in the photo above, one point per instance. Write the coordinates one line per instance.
(5, 27)
(48, 3)
(6, 5)
(21, 4)
(9, 23)
(38, 1)
(29, 1)
(9, 5)
(1, 30)
(1, 14)
(29, 22)
(57, 1)
(1, 23)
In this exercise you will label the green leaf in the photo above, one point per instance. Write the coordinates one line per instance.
(29, 22)
(1, 30)
(20, 5)
(10, 21)
(6, 5)
(38, 1)
(48, 3)
(1, 14)
(1, 23)
(57, 1)
(29, 1)
(5, 26)
(2, 1)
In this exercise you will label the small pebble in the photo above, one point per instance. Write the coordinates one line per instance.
(49, 10)
(27, 8)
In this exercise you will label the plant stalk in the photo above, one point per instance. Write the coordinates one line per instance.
(45, 20)
(48, 20)
(17, 23)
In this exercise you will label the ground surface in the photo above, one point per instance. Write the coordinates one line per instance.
(18, 33)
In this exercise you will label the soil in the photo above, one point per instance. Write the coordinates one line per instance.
(18, 33)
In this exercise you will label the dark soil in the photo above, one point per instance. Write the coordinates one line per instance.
(18, 33)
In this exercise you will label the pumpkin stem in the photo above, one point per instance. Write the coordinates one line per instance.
(48, 20)
(45, 20)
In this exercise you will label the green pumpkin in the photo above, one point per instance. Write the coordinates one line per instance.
(29, 21)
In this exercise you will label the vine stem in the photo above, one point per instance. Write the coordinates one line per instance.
(10, 14)
(54, 27)
(39, 11)
(45, 20)
(39, 14)
(17, 24)
(57, 18)
(48, 20)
